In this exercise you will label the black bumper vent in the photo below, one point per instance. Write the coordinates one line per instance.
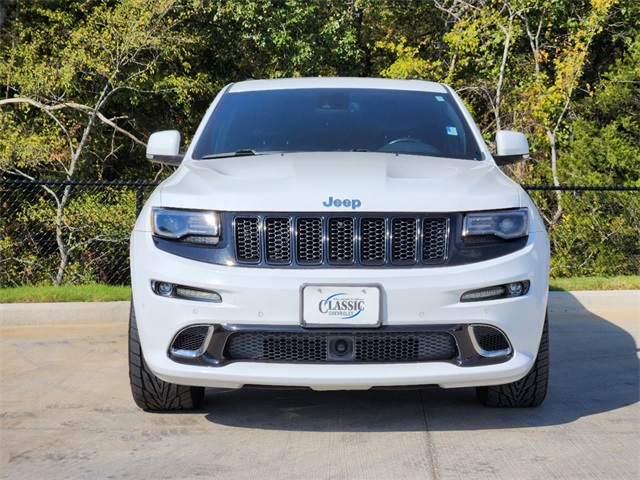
(191, 341)
(491, 340)
(368, 347)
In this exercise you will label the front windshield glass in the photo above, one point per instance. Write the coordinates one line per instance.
(338, 120)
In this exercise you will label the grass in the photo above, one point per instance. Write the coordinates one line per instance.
(631, 282)
(65, 293)
(106, 293)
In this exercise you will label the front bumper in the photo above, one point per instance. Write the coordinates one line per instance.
(425, 298)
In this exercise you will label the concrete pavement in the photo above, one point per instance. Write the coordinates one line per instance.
(63, 313)
(66, 412)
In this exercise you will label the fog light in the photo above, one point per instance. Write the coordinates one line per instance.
(513, 289)
(165, 289)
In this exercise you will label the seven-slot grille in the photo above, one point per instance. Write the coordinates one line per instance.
(402, 240)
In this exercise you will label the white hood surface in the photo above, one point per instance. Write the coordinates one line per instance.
(312, 182)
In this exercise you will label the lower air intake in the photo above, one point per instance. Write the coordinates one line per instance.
(490, 341)
(192, 341)
(371, 347)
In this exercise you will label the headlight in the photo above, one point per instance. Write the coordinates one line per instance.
(504, 224)
(194, 226)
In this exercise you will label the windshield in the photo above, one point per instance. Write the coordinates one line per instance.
(338, 120)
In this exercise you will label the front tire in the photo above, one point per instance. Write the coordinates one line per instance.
(149, 392)
(529, 391)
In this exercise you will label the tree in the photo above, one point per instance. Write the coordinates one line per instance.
(65, 66)
(548, 94)
(599, 234)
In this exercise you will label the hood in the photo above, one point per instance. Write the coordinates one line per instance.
(333, 182)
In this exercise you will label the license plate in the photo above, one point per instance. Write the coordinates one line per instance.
(341, 306)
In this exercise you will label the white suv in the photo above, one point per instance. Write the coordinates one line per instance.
(338, 233)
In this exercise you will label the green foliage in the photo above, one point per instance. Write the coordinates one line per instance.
(288, 38)
(71, 60)
(598, 235)
(94, 228)
(605, 148)
(29, 142)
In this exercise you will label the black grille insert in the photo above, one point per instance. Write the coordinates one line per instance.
(404, 235)
(373, 245)
(278, 240)
(435, 236)
(309, 241)
(248, 239)
(341, 241)
(369, 347)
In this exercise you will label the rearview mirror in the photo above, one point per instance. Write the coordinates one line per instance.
(511, 147)
(164, 147)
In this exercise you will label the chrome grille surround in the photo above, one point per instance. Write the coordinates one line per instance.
(317, 240)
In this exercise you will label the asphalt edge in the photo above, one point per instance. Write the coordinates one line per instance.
(116, 312)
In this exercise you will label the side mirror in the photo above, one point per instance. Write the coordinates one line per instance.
(511, 147)
(163, 147)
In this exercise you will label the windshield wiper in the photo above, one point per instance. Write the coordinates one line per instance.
(244, 152)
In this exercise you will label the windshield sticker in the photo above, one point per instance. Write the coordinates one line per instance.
(439, 98)
(452, 131)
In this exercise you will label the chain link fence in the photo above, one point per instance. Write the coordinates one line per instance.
(77, 232)
(593, 230)
(67, 232)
